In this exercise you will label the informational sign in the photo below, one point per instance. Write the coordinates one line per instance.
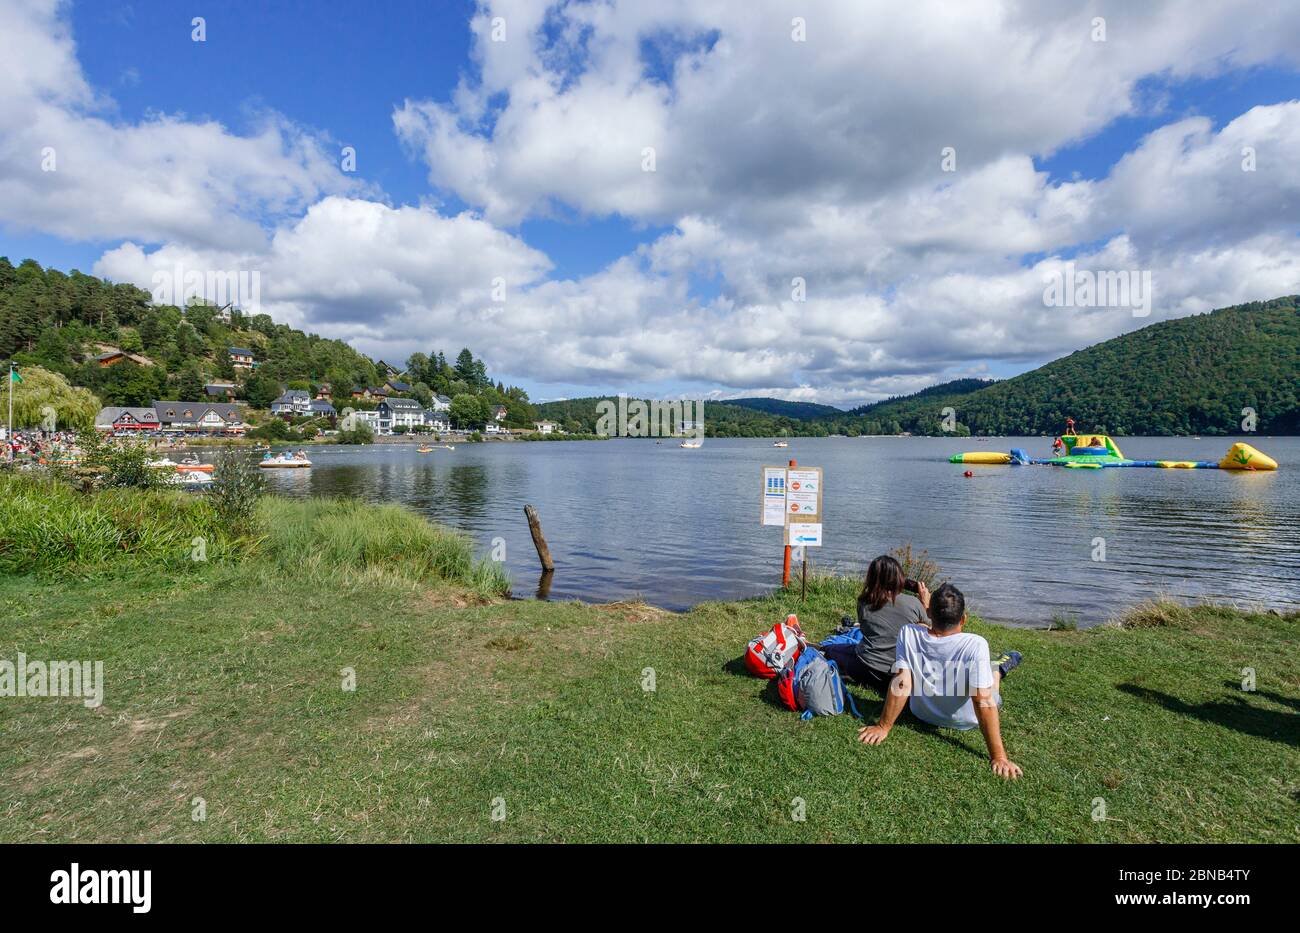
(803, 492)
(773, 495)
(804, 534)
(792, 498)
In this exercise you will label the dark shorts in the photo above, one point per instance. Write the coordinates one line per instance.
(855, 669)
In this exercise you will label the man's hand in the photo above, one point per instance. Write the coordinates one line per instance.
(923, 593)
(873, 735)
(1005, 768)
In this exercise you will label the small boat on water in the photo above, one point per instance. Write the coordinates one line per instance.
(190, 463)
(190, 479)
(781, 444)
(691, 445)
(194, 465)
(285, 461)
(424, 449)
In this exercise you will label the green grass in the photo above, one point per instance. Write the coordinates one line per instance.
(227, 685)
(47, 527)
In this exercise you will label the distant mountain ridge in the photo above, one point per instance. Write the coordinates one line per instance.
(953, 387)
(1204, 374)
(803, 411)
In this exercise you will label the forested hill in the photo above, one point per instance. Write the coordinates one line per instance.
(1193, 375)
(945, 389)
(64, 322)
(803, 411)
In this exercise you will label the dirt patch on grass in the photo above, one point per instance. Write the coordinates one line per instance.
(142, 729)
(449, 597)
(635, 612)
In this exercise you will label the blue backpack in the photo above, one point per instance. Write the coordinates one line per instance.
(846, 634)
(813, 684)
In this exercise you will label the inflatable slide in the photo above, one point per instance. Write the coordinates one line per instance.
(1097, 451)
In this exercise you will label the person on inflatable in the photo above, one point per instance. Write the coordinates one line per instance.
(1057, 447)
(1069, 426)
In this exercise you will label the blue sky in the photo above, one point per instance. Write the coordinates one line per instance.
(524, 156)
(342, 73)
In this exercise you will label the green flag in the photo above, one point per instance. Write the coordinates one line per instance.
(14, 377)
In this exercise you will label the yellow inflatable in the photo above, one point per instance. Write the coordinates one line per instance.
(982, 456)
(1244, 457)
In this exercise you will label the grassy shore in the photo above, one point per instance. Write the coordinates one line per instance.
(225, 681)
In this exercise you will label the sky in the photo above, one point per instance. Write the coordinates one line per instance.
(822, 201)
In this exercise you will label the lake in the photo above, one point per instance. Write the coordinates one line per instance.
(640, 519)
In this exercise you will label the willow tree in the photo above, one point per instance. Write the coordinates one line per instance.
(44, 399)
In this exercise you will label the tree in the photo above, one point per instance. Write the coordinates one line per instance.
(190, 385)
(466, 411)
(417, 367)
(466, 371)
(43, 397)
(261, 391)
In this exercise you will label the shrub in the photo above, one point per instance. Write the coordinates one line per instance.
(917, 565)
(121, 465)
(46, 525)
(361, 434)
(336, 535)
(236, 487)
(276, 429)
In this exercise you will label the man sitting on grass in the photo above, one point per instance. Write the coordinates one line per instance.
(949, 678)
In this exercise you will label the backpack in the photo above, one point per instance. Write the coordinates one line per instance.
(847, 634)
(766, 655)
(787, 682)
(813, 684)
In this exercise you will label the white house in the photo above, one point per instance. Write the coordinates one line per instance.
(441, 403)
(545, 427)
(357, 418)
(395, 413)
(436, 421)
(499, 412)
(293, 403)
(493, 428)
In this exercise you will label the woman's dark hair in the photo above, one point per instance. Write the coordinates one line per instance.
(883, 583)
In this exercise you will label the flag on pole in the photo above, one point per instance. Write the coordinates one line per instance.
(14, 377)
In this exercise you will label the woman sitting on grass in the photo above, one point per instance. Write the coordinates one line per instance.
(883, 610)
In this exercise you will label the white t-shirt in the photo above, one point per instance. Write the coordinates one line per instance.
(946, 672)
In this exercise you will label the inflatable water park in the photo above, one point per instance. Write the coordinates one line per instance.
(1084, 451)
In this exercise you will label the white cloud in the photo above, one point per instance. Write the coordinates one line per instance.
(361, 269)
(165, 178)
(774, 159)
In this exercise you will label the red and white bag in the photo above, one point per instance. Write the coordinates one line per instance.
(771, 651)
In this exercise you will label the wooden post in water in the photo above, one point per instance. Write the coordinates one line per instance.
(539, 541)
(785, 570)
